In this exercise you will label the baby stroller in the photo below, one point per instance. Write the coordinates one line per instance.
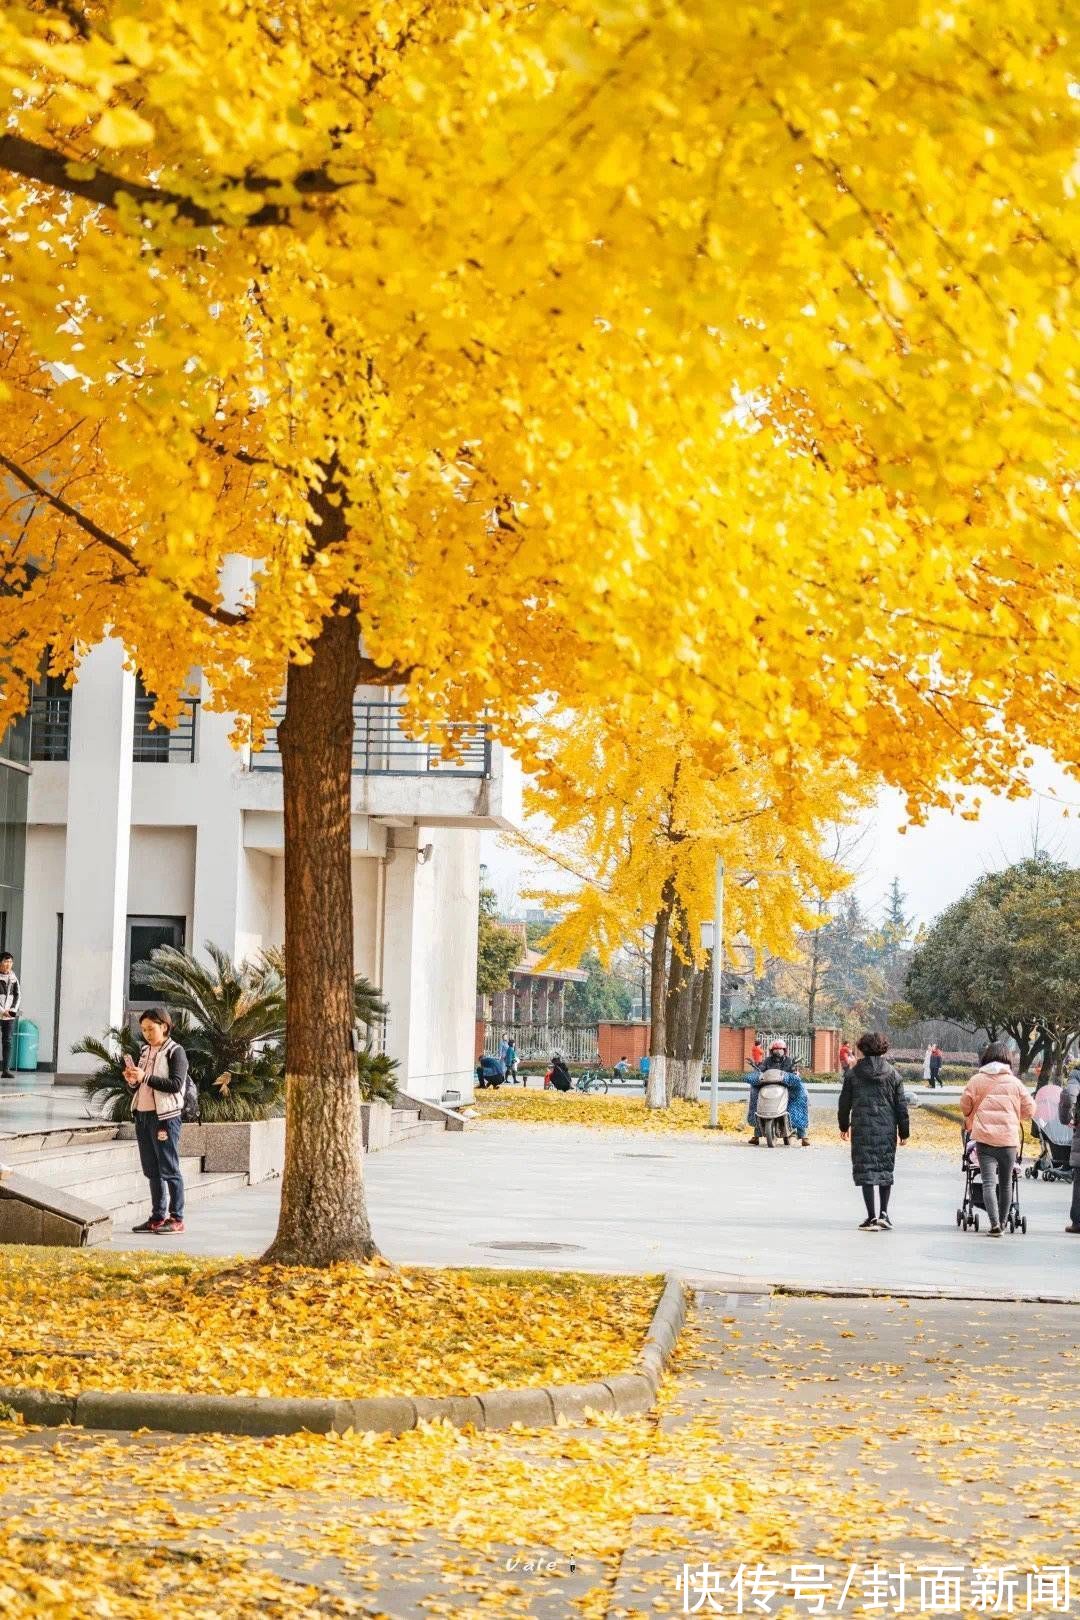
(772, 1108)
(1056, 1143)
(967, 1216)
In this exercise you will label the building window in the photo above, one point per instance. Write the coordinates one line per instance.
(145, 934)
(157, 745)
(50, 719)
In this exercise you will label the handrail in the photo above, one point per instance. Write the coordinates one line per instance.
(381, 746)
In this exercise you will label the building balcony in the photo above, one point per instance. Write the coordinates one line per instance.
(382, 748)
(50, 731)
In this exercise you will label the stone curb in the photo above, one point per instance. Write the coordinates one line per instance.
(871, 1291)
(628, 1394)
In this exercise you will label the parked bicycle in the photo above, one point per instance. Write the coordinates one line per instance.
(592, 1080)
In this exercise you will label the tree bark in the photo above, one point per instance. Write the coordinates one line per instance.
(323, 1215)
(656, 1090)
(701, 1010)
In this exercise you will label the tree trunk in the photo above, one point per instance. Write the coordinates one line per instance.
(674, 1017)
(702, 1007)
(323, 1211)
(683, 1075)
(656, 1090)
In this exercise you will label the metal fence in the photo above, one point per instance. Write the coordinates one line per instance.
(50, 731)
(50, 726)
(381, 746)
(578, 1043)
(157, 745)
(800, 1045)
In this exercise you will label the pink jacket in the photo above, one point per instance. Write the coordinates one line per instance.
(994, 1103)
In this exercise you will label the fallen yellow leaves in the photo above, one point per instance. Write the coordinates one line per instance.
(526, 1107)
(71, 1321)
(535, 1107)
(880, 1464)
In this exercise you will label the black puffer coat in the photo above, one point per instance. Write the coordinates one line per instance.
(873, 1107)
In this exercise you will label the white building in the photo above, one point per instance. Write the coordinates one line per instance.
(136, 836)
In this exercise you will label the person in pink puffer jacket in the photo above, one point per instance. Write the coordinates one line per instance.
(994, 1105)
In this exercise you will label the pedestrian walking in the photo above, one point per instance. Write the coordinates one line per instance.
(845, 1057)
(10, 1001)
(873, 1112)
(926, 1069)
(510, 1061)
(1069, 1114)
(994, 1105)
(757, 1052)
(158, 1083)
(936, 1056)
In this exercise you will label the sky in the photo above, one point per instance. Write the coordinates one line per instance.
(935, 863)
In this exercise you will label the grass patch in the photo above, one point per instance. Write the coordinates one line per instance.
(71, 1321)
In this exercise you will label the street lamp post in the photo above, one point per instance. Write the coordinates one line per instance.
(712, 937)
(717, 962)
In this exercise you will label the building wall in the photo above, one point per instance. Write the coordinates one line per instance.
(161, 875)
(429, 958)
(45, 901)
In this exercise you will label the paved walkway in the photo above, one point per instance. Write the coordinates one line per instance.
(860, 1443)
(576, 1199)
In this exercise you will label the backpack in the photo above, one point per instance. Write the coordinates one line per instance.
(189, 1109)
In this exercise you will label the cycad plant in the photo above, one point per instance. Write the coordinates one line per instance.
(234, 1017)
(230, 1019)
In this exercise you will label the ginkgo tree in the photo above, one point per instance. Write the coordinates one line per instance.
(634, 811)
(527, 348)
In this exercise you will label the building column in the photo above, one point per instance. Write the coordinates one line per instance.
(219, 840)
(399, 923)
(92, 988)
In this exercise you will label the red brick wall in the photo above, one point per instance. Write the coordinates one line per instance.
(826, 1051)
(481, 1029)
(616, 1041)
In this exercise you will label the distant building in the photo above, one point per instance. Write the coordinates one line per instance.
(536, 995)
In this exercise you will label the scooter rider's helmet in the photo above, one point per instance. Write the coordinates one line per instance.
(779, 1046)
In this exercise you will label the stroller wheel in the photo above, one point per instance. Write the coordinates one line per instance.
(959, 1217)
(1023, 1224)
(975, 1222)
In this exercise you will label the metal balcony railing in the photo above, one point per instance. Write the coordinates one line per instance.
(50, 725)
(156, 745)
(50, 731)
(381, 747)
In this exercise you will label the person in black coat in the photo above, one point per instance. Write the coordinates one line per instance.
(873, 1110)
(560, 1074)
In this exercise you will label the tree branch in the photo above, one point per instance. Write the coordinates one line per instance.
(33, 161)
(201, 604)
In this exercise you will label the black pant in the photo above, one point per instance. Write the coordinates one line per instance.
(161, 1163)
(1074, 1212)
(883, 1193)
(7, 1039)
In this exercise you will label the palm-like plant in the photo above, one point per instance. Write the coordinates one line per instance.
(230, 1019)
(107, 1082)
(234, 1027)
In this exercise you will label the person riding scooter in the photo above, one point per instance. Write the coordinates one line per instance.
(798, 1113)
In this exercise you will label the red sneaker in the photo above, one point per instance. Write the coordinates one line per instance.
(167, 1228)
(150, 1225)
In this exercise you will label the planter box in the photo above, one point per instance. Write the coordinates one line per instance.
(375, 1119)
(255, 1148)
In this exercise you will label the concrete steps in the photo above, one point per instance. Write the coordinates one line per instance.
(406, 1125)
(103, 1169)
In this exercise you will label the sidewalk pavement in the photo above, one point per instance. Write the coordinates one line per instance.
(861, 1441)
(570, 1198)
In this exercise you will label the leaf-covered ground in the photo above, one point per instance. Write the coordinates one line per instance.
(71, 1321)
(823, 1433)
(528, 1107)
